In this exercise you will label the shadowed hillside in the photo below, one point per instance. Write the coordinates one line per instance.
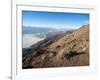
(62, 50)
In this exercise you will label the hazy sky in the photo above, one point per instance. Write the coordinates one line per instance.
(54, 19)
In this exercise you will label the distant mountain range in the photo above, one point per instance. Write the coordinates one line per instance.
(64, 49)
(33, 30)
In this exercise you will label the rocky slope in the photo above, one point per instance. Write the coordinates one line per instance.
(63, 50)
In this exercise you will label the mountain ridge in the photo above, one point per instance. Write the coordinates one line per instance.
(68, 49)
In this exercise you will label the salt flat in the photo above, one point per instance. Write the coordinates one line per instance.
(30, 39)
